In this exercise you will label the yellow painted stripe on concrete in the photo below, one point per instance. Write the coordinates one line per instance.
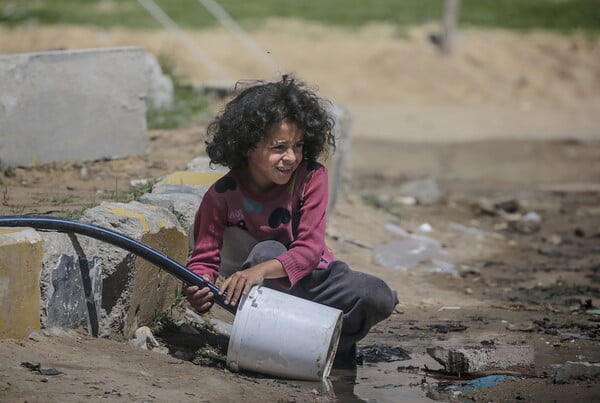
(9, 230)
(9, 235)
(20, 267)
(191, 178)
(126, 213)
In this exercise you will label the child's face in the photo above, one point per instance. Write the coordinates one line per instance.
(276, 157)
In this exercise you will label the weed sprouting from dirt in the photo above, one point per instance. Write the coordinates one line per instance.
(130, 194)
(74, 214)
(56, 200)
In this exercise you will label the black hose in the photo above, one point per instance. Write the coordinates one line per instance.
(122, 241)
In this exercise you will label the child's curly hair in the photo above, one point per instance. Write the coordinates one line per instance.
(247, 118)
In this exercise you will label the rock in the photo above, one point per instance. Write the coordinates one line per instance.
(576, 370)
(485, 206)
(133, 289)
(469, 359)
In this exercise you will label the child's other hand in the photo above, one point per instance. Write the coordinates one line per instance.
(240, 283)
(199, 298)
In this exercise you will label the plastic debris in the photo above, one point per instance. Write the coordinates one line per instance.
(426, 227)
(479, 383)
(448, 308)
(593, 311)
(532, 216)
(440, 266)
(375, 353)
(407, 253)
(404, 255)
(144, 338)
(472, 230)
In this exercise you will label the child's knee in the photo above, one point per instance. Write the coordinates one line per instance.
(381, 298)
(263, 251)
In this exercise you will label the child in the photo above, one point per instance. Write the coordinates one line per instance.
(264, 221)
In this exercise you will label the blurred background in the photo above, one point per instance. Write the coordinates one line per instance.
(511, 68)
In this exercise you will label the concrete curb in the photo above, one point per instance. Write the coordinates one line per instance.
(20, 266)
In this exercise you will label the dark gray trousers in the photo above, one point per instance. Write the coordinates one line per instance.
(365, 299)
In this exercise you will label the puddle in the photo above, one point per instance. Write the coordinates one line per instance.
(381, 382)
(395, 379)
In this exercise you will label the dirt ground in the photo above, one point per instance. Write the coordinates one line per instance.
(507, 130)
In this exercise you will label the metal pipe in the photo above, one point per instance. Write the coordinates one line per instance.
(122, 241)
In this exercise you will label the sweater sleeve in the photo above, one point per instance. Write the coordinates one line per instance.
(305, 251)
(209, 224)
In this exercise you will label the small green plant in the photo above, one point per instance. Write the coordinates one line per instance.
(189, 105)
(131, 193)
(181, 219)
(179, 298)
(63, 199)
(18, 210)
(77, 213)
(163, 319)
(135, 192)
(189, 108)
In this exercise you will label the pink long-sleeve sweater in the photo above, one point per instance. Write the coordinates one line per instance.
(293, 214)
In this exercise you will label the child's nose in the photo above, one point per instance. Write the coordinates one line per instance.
(289, 155)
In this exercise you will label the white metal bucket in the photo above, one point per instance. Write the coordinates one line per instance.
(278, 334)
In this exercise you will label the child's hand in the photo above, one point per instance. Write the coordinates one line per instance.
(199, 298)
(240, 283)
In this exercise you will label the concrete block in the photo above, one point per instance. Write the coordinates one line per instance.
(133, 289)
(75, 105)
(184, 205)
(469, 359)
(21, 254)
(181, 193)
(71, 283)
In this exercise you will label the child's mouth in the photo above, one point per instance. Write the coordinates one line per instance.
(285, 170)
